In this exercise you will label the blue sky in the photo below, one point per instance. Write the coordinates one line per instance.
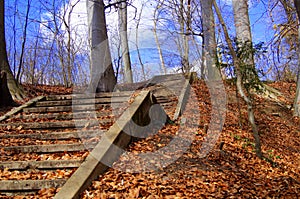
(259, 19)
(261, 24)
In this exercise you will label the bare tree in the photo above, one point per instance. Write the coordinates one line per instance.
(184, 20)
(155, 20)
(241, 10)
(243, 34)
(284, 43)
(70, 54)
(178, 15)
(209, 40)
(18, 77)
(137, 41)
(122, 13)
(102, 74)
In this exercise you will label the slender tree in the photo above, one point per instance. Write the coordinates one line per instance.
(15, 88)
(21, 62)
(137, 41)
(155, 20)
(102, 74)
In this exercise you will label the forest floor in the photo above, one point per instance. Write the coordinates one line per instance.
(230, 171)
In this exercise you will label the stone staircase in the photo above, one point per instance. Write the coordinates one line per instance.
(63, 141)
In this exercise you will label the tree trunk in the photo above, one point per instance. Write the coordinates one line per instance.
(183, 39)
(14, 87)
(122, 13)
(241, 20)
(5, 96)
(239, 84)
(155, 20)
(102, 73)
(18, 78)
(137, 42)
(209, 52)
(243, 34)
(186, 34)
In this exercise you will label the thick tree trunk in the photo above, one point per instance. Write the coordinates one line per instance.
(15, 88)
(102, 73)
(124, 42)
(5, 96)
(209, 68)
(241, 20)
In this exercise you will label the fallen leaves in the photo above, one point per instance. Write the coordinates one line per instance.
(35, 174)
(234, 172)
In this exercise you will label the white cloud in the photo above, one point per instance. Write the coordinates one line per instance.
(146, 41)
(77, 23)
(79, 28)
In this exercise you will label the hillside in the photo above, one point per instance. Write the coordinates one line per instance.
(230, 170)
(233, 172)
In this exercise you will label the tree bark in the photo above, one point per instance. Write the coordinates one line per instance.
(122, 13)
(137, 42)
(15, 88)
(241, 20)
(209, 52)
(5, 96)
(160, 54)
(102, 73)
(18, 78)
(184, 44)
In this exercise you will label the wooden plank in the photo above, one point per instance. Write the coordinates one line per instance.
(63, 116)
(54, 109)
(48, 148)
(88, 96)
(60, 124)
(20, 108)
(57, 135)
(48, 164)
(75, 108)
(118, 99)
(110, 146)
(62, 108)
(28, 185)
(11, 194)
